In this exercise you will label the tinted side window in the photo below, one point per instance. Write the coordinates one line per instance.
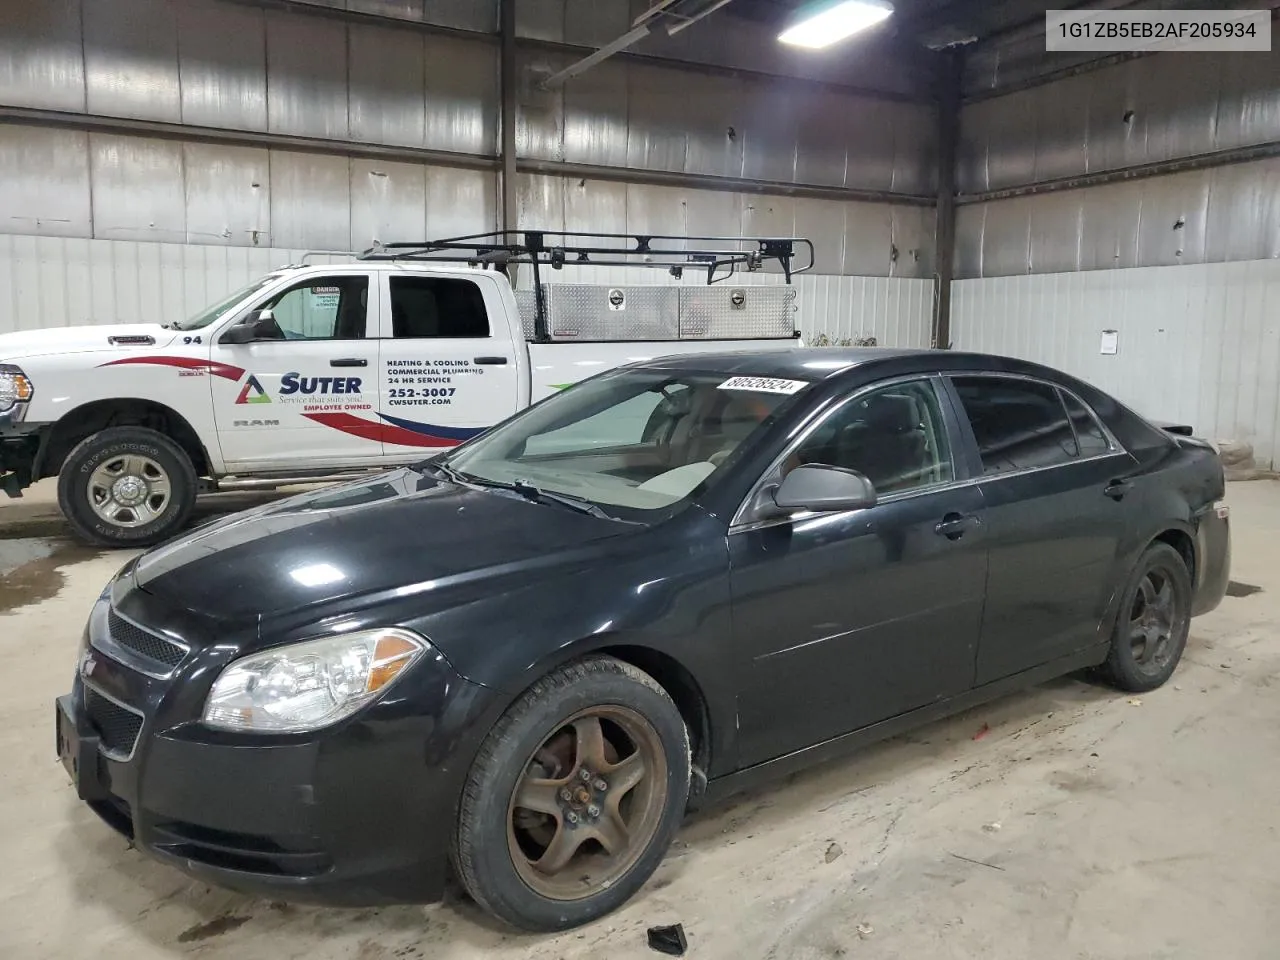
(423, 307)
(1089, 435)
(1019, 424)
(895, 436)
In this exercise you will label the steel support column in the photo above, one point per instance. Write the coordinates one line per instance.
(510, 90)
(950, 68)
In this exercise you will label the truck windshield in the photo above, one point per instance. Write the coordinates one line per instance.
(210, 314)
(634, 443)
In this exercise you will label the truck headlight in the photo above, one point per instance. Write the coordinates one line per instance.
(310, 685)
(15, 388)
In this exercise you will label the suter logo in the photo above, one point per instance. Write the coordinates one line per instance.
(253, 392)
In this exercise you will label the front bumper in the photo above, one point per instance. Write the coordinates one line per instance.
(356, 815)
(19, 453)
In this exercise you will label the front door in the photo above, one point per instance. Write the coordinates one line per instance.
(299, 387)
(1054, 520)
(845, 619)
(448, 368)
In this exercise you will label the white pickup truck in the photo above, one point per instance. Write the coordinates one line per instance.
(315, 372)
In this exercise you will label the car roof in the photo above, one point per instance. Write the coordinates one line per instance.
(798, 363)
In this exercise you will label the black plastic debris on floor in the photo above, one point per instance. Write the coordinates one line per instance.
(1237, 589)
(668, 940)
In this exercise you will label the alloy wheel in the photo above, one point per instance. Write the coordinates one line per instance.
(588, 804)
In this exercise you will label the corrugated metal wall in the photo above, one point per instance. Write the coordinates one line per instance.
(238, 67)
(1166, 107)
(60, 281)
(1197, 344)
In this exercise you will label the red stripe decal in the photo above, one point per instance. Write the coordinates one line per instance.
(224, 370)
(378, 432)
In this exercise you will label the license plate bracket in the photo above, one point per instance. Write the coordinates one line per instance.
(77, 750)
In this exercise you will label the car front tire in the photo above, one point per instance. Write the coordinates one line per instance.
(574, 797)
(1151, 628)
(126, 487)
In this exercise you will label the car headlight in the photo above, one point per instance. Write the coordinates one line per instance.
(309, 685)
(15, 388)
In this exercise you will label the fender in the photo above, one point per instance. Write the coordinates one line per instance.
(99, 414)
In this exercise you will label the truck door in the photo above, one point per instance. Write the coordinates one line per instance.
(307, 383)
(449, 367)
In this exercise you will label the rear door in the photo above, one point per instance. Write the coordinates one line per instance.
(1055, 518)
(294, 394)
(449, 367)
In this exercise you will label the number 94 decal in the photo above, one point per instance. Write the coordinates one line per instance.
(190, 340)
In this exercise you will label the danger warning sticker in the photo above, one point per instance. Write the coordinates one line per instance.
(764, 385)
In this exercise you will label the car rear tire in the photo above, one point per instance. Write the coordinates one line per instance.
(574, 797)
(1151, 628)
(126, 487)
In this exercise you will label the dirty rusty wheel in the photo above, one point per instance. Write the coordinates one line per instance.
(574, 797)
(1154, 620)
(589, 803)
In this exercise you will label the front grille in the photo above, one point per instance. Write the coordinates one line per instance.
(117, 727)
(144, 643)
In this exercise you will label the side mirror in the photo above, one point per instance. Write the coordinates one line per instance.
(259, 325)
(819, 487)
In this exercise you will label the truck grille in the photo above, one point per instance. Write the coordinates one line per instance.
(118, 727)
(144, 643)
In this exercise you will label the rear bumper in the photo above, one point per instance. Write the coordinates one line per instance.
(1213, 551)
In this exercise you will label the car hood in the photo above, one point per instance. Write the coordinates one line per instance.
(99, 337)
(397, 530)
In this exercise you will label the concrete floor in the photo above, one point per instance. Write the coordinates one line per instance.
(1080, 824)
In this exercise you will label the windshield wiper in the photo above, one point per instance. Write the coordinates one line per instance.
(522, 487)
(538, 495)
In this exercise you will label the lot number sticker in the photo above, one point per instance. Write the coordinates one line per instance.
(764, 385)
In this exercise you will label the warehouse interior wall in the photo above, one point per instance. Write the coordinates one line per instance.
(140, 124)
(1141, 197)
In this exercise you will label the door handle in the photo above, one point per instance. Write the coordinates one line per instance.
(494, 361)
(349, 362)
(955, 525)
(1116, 489)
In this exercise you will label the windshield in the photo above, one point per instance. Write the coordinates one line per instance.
(210, 314)
(632, 442)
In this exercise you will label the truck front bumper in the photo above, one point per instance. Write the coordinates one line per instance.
(19, 453)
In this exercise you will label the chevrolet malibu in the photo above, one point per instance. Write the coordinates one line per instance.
(527, 656)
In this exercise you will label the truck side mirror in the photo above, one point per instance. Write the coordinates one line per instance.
(259, 325)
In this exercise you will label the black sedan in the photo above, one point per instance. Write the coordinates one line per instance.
(529, 655)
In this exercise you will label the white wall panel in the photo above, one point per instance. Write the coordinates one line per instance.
(131, 59)
(1199, 344)
(222, 65)
(41, 57)
(228, 194)
(388, 202)
(44, 182)
(137, 188)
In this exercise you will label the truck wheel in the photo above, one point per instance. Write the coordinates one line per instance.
(126, 487)
(574, 797)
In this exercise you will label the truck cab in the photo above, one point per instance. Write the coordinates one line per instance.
(318, 372)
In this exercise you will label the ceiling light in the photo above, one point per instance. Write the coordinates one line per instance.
(831, 22)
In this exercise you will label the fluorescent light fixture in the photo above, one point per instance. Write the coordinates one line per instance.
(828, 23)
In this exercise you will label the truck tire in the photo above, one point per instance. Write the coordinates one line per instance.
(126, 487)
(574, 797)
